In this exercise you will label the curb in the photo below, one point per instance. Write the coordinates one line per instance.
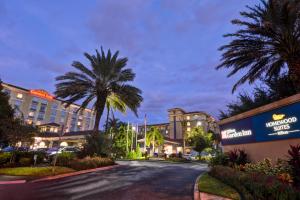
(196, 188)
(73, 174)
(12, 182)
(59, 176)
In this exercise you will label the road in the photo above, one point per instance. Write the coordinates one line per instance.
(131, 180)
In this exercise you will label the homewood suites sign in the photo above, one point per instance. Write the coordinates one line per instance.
(277, 124)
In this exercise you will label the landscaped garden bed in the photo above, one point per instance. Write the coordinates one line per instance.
(35, 171)
(261, 180)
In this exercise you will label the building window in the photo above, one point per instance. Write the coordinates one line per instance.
(188, 129)
(18, 103)
(188, 123)
(34, 104)
(19, 95)
(199, 123)
(63, 115)
(53, 112)
(188, 117)
(42, 111)
(6, 91)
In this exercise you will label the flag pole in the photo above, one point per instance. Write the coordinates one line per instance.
(127, 137)
(145, 133)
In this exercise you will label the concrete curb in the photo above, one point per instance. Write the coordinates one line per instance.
(73, 173)
(47, 178)
(196, 188)
(12, 182)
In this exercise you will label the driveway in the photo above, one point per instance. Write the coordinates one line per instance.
(135, 180)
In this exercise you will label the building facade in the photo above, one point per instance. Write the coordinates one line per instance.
(179, 125)
(39, 107)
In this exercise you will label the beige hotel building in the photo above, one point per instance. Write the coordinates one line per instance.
(40, 108)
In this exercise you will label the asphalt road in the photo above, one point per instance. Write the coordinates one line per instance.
(132, 180)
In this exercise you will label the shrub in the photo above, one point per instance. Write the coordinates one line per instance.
(5, 158)
(90, 163)
(177, 159)
(294, 162)
(65, 158)
(95, 145)
(238, 157)
(25, 162)
(256, 186)
(219, 159)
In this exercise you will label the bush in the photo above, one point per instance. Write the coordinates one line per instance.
(5, 158)
(95, 145)
(65, 158)
(24, 162)
(256, 186)
(90, 163)
(294, 162)
(177, 159)
(219, 159)
(237, 157)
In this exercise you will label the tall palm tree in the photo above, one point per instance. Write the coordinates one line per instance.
(154, 137)
(267, 44)
(104, 81)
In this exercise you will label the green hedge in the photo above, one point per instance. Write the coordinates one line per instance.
(255, 186)
(90, 163)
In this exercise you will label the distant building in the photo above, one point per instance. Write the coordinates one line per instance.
(179, 125)
(40, 108)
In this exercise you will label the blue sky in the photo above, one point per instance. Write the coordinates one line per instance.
(171, 45)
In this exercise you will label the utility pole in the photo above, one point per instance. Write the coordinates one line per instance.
(145, 133)
(137, 131)
(127, 137)
(132, 131)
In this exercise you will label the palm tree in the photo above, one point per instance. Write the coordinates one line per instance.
(104, 82)
(267, 44)
(154, 137)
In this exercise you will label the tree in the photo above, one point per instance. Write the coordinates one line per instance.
(104, 82)
(154, 138)
(199, 139)
(267, 44)
(273, 89)
(121, 141)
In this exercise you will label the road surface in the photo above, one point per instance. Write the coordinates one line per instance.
(134, 180)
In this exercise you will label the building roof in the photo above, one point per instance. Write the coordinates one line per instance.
(74, 133)
(160, 124)
(27, 90)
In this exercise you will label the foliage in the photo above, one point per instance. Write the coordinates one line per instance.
(35, 171)
(254, 185)
(120, 141)
(238, 157)
(219, 159)
(105, 83)
(95, 145)
(294, 162)
(90, 163)
(275, 89)
(266, 167)
(199, 139)
(267, 43)
(211, 185)
(177, 159)
(65, 158)
(25, 161)
(4, 158)
(154, 138)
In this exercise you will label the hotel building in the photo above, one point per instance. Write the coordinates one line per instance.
(179, 125)
(40, 108)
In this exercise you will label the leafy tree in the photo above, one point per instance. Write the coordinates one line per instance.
(274, 89)
(121, 141)
(96, 145)
(267, 44)
(105, 83)
(199, 139)
(154, 138)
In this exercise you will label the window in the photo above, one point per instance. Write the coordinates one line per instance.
(34, 104)
(63, 115)
(188, 117)
(31, 114)
(18, 103)
(42, 111)
(188, 123)
(199, 123)
(6, 91)
(19, 95)
(53, 112)
(188, 129)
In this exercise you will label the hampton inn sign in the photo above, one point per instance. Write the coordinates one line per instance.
(278, 122)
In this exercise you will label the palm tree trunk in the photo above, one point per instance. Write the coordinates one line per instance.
(294, 73)
(107, 117)
(100, 105)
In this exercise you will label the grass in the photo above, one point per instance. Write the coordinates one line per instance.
(212, 185)
(35, 171)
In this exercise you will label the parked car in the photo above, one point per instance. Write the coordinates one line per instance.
(53, 151)
(8, 149)
(11, 149)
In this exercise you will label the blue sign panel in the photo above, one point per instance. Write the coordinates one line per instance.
(278, 124)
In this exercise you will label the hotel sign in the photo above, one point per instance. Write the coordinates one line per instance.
(42, 93)
(277, 124)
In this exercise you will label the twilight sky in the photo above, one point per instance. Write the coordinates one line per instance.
(171, 46)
